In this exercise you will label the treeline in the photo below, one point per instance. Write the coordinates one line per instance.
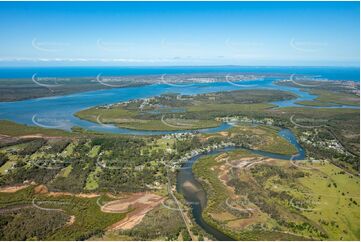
(35, 224)
(32, 146)
(159, 224)
(3, 159)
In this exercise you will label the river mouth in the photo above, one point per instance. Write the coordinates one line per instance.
(195, 195)
(63, 108)
(60, 110)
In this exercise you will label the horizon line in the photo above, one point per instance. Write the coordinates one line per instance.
(157, 66)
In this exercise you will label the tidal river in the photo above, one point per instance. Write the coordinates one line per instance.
(58, 112)
(197, 197)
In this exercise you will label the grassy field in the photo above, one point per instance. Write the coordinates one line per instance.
(92, 181)
(277, 200)
(338, 201)
(269, 200)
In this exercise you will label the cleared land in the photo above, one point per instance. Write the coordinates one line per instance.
(138, 204)
(252, 197)
(61, 217)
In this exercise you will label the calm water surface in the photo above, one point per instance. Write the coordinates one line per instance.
(196, 196)
(58, 112)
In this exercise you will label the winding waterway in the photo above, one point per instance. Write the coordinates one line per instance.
(58, 112)
(195, 195)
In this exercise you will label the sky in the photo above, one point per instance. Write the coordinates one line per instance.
(180, 33)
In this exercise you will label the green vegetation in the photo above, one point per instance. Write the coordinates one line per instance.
(16, 89)
(338, 201)
(159, 224)
(263, 138)
(65, 171)
(96, 164)
(327, 87)
(277, 200)
(51, 225)
(38, 227)
(92, 181)
(3, 159)
(250, 197)
(178, 112)
(14, 129)
(327, 98)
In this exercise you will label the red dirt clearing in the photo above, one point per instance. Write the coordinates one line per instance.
(139, 203)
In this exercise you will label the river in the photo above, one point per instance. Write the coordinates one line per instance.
(195, 195)
(58, 112)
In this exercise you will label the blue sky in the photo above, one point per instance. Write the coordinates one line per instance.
(175, 33)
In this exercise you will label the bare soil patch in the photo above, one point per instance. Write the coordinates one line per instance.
(11, 189)
(81, 195)
(71, 220)
(138, 203)
(41, 189)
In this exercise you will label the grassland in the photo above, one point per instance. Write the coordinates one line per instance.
(277, 200)
(250, 197)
